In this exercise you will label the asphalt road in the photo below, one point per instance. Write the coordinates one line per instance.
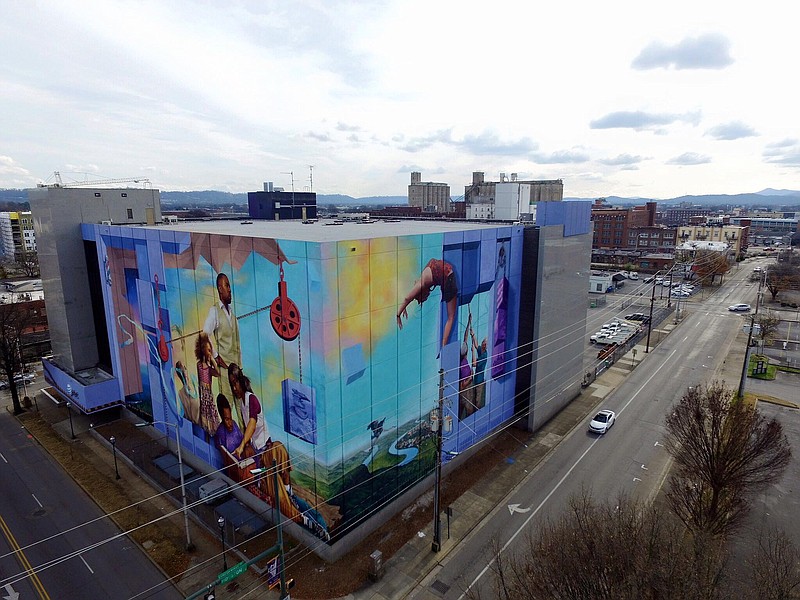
(630, 458)
(62, 533)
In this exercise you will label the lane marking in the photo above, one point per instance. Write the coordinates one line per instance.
(87, 564)
(23, 560)
(37, 501)
(561, 481)
(3, 457)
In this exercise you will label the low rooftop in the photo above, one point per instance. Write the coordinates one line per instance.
(327, 230)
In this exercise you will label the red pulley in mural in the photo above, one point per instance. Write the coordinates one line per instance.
(284, 314)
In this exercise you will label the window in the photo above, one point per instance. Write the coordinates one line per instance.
(130, 213)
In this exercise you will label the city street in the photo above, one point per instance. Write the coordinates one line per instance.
(630, 458)
(60, 534)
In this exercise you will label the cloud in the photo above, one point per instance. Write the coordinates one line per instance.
(488, 143)
(621, 160)
(786, 152)
(416, 144)
(731, 131)
(641, 121)
(783, 143)
(561, 157)
(708, 51)
(320, 137)
(689, 158)
(345, 127)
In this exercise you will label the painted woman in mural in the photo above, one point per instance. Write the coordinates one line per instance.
(206, 369)
(436, 273)
(267, 451)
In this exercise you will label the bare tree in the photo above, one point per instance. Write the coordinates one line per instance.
(28, 264)
(709, 264)
(775, 568)
(621, 550)
(767, 326)
(782, 276)
(724, 451)
(15, 319)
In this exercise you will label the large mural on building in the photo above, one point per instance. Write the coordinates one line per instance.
(321, 358)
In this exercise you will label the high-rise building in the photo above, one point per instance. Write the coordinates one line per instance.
(16, 234)
(429, 196)
(509, 199)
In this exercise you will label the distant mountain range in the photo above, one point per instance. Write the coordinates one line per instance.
(17, 199)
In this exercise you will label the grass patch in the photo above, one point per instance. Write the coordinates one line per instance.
(766, 374)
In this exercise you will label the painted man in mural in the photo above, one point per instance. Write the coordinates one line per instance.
(222, 328)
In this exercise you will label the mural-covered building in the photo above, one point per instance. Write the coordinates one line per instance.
(319, 347)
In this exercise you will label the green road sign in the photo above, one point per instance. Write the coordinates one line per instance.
(232, 573)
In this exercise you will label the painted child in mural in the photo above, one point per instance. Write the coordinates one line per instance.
(222, 328)
(436, 273)
(206, 369)
(228, 438)
(465, 394)
(480, 355)
(266, 450)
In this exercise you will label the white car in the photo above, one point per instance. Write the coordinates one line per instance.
(602, 421)
(739, 308)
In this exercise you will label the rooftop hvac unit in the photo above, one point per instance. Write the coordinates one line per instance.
(107, 222)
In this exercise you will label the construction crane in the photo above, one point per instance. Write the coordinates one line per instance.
(95, 182)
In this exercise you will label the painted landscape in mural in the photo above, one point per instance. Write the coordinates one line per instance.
(321, 358)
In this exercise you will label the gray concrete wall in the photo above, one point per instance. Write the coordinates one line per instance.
(57, 215)
(560, 322)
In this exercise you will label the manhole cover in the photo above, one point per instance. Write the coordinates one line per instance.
(441, 587)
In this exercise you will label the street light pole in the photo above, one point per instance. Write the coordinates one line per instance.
(189, 544)
(746, 363)
(221, 524)
(113, 441)
(69, 412)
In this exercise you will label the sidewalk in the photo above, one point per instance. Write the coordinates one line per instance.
(90, 461)
(405, 569)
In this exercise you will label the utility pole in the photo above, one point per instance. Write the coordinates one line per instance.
(437, 522)
(650, 320)
(750, 338)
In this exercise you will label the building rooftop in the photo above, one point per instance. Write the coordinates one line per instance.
(327, 230)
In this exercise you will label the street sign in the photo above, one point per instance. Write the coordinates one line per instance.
(232, 573)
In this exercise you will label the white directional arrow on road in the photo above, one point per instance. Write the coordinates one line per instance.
(512, 508)
(12, 593)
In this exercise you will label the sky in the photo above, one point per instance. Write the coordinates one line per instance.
(632, 99)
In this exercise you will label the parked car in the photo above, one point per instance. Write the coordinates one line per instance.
(633, 275)
(635, 317)
(739, 307)
(602, 421)
(20, 379)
